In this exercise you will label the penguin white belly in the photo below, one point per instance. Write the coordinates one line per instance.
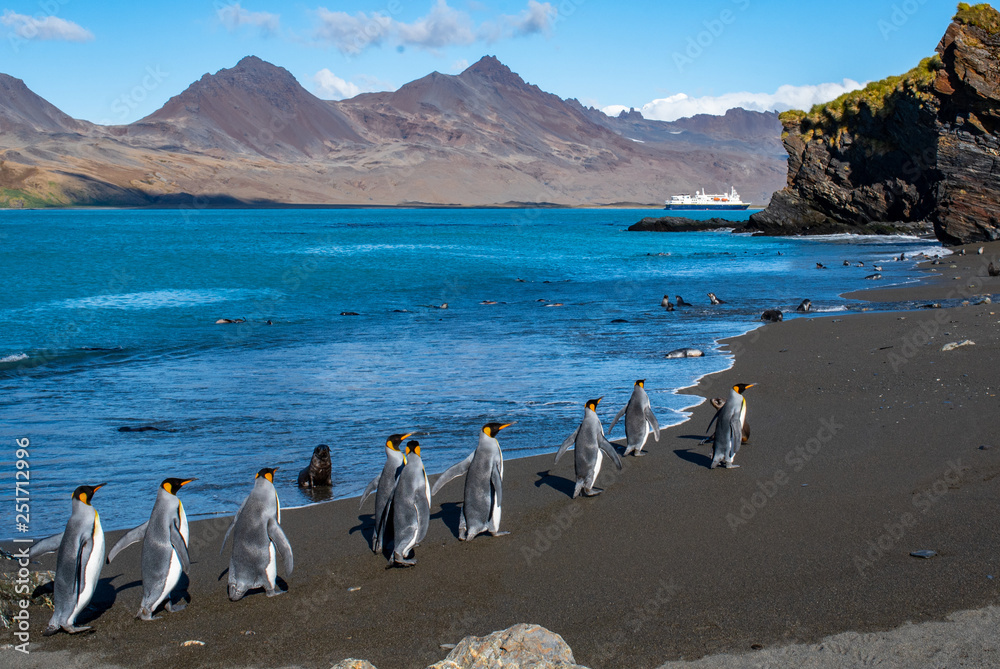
(597, 469)
(645, 434)
(184, 522)
(91, 572)
(272, 566)
(173, 575)
(495, 511)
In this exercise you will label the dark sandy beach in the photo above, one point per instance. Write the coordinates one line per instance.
(867, 444)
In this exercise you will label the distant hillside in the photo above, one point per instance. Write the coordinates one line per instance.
(251, 134)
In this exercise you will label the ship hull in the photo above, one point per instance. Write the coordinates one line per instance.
(707, 207)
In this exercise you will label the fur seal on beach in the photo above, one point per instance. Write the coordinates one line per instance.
(257, 538)
(681, 302)
(483, 471)
(164, 549)
(714, 299)
(874, 277)
(320, 469)
(411, 507)
(772, 316)
(78, 561)
(589, 443)
(685, 353)
(729, 427)
(805, 306)
(383, 486)
(639, 420)
(992, 270)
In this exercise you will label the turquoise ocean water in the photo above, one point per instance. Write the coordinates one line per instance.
(108, 320)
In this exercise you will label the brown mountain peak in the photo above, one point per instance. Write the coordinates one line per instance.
(491, 69)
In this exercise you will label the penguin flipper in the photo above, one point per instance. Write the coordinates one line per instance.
(617, 416)
(454, 471)
(651, 419)
(496, 479)
(129, 538)
(714, 418)
(49, 545)
(563, 447)
(82, 558)
(179, 546)
(280, 541)
(609, 448)
(369, 490)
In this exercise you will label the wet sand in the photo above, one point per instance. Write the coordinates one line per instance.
(866, 445)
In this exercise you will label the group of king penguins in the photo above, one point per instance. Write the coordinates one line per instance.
(402, 501)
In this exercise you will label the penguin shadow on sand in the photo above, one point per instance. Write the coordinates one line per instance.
(104, 598)
(366, 526)
(560, 483)
(693, 456)
(179, 593)
(451, 514)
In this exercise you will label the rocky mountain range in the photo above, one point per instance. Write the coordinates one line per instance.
(923, 146)
(251, 135)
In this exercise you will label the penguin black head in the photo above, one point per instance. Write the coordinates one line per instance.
(267, 472)
(592, 404)
(641, 383)
(173, 485)
(740, 387)
(395, 440)
(413, 446)
(85, 493)
(492, 429)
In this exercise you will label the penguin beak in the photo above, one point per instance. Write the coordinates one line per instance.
(749, 386)
(503, 426)
(185, 482)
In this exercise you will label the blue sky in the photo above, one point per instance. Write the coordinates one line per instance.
(114, 62)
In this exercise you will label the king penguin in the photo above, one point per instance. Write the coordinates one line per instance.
(411, 507)
(483, 485)
(729, 426)
(79, 560)
(383, 486)
(639, 420)
(256, 534)
(164, 549)
(589, 441)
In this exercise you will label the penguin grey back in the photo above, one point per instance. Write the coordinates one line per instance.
(383, 486)
(257, 536)
(411, 507)
(639, 420)
(729, 427)
(589, 442)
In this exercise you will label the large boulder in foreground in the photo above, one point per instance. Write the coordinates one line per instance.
(923, 146)
(518, 647)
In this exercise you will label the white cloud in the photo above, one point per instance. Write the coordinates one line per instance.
(459, 65)
(537, 18)
(352, 34)
(444, 26)
(329, 86)
(234, 17)
(45, 27)
(786, 97)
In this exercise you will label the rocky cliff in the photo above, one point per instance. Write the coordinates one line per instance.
(922, 146)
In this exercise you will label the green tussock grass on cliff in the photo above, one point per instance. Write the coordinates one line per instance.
(877, 99)
(981, 16)
(13, 198)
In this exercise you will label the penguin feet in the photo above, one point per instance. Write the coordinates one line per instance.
(274, 592)
(235, 593)
(638, 454)
(175, 607)
(50, 630)
(499, 534)
(729, 465)
(592, 492)
(146, 614)
(71, 629)
(400, 561)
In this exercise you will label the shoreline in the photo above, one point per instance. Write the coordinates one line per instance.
(658, 558)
